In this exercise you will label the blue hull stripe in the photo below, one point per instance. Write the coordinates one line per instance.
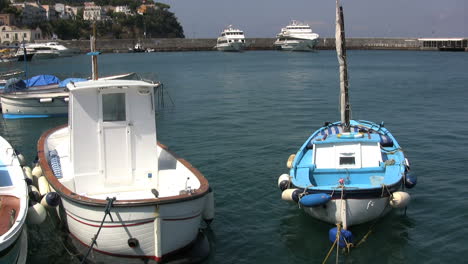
(18, 116)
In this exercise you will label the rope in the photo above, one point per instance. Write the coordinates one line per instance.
(338, 228)
(53, 230)
(107, 209)
(364, 238)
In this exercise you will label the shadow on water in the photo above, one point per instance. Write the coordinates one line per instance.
(307, 238)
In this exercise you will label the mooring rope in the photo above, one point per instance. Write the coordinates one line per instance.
(107, 209)
(337, 238)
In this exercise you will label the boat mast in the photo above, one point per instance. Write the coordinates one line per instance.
(94, 64)
(345, 107)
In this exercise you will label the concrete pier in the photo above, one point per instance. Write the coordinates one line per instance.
(177, 44)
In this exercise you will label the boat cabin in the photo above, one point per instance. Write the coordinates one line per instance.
(112, 134)
(352, 151)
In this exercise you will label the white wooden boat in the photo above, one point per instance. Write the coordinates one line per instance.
(13, 207)
(107, 159)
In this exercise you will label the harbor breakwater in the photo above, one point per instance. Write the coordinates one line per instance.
(179, 44)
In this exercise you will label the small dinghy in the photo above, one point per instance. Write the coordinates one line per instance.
(351, 171)
(13, 207)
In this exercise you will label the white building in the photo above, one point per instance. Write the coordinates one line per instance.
(123, 9)
(66, 11)
(92, 12)
(12, 34)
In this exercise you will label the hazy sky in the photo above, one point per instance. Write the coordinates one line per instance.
(363, 18)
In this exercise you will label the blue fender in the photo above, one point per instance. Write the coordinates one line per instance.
(315, 199)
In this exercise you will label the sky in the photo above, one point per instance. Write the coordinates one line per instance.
(363, 18)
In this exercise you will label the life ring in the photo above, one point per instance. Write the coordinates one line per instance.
(350, 135)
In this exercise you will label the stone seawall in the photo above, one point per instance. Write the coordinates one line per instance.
(173, 44)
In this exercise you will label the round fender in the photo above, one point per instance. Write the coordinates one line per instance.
(400, 199)
(283, 182)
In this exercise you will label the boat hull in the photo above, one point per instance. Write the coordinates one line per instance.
(144, 223)
(296, 45)
(235, 46)
(31, 106)
(150, 225)
(357, 211)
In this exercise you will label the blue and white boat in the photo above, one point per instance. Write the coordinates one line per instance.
(351, 171)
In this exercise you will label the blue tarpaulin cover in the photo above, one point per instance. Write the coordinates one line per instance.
(41, 80)
(66, 81)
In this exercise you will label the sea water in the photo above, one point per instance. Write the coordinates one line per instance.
(238, 116)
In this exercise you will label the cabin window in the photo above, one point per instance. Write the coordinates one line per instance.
(113, 107)
(347, 161)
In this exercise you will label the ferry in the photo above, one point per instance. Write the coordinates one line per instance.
(296, 36)
(231, 39)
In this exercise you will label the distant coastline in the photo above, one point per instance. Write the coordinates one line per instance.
(184, 44)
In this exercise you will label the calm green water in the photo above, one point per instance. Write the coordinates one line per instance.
(237, 118)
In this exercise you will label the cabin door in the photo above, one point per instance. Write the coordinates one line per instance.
(116, 138)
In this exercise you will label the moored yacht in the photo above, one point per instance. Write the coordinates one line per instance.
(296, 36)
(231, 39)
(47, 50)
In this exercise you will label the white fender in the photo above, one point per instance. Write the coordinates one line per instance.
(50, 200)
(289, 195)
(208, 211)
(282, 178)
(34, 194)
(28, 172)
(36, 173)
(36, 214)
(43, 185)
(400, 199)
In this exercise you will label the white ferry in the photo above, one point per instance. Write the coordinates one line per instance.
(231, 39)
(296, 36)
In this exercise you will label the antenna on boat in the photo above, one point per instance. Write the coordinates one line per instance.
(345, 107)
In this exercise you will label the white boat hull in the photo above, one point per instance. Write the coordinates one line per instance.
(32, 106)
(150, 225)
(297, 45)
(234, 46)
(358, 211)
